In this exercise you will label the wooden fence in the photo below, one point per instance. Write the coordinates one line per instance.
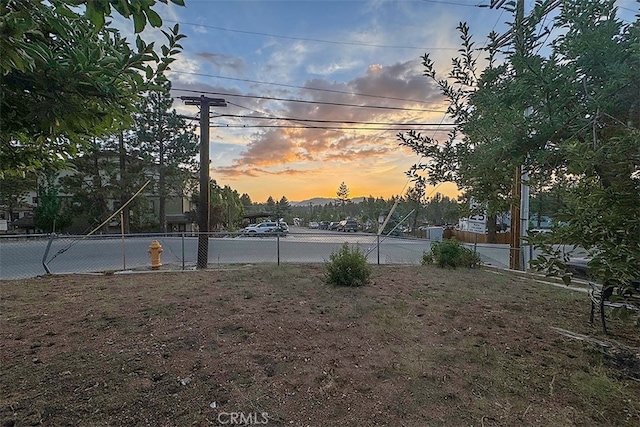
(469, 237)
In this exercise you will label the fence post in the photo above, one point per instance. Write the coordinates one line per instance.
(124, 249)
(475, 242)
(182, 251)
(278, 246)
(378, 247)
(46, 253)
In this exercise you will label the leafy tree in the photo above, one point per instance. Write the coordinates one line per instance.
(65, 77)
(246, 201)
(414, 199)
(582, 133)
(49, 216)
(232, 206)
(91, 184)
(110, 169)
(593, 135)
(546, 201)
(441, 209)
(225, 208)
(13, 190)
(482, 161)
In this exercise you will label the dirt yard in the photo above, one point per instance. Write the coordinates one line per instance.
(276, 346)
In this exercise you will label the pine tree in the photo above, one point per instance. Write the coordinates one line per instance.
(343, 194)
(165, 141)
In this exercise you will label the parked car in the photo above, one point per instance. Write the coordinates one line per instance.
(347, 225)
(262, 228)
(314, 225)
(333, 225)
(323, 225)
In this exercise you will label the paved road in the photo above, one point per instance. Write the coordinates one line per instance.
(20, 258)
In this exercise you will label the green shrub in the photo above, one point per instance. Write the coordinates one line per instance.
(450, 253)
(347, 267)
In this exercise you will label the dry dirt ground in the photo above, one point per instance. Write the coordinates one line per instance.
(276, 346)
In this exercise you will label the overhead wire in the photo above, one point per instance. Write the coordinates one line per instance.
(304, 125)
(302, 101)
(451, 3)
(352, 122)
(324, 127)
(335, 42)
(302, 87)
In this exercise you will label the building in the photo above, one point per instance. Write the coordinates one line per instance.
(18, 217)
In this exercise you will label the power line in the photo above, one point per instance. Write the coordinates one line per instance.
(448, 3)
(340, 128)
(255, 111)
(352, 122)
(397, 126)
(257, 33)
(300, 87)
(339, 104)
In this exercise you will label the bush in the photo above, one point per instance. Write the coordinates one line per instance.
(450, 253)
(347, 267)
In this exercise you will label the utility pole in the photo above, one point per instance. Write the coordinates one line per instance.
(520, 189)
(516, 189)
(203, 208)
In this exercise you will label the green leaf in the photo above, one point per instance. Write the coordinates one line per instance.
(140, 44)
(95, 16)
(178, 2)
(139, 21)
(63, 10)
(154, 18)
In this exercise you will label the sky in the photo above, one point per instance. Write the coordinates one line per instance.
(332, 82)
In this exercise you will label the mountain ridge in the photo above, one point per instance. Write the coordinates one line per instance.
(320, 201)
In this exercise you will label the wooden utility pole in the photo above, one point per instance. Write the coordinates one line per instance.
(516, 195)
(516, 35)
(516, 189)
(203, 208)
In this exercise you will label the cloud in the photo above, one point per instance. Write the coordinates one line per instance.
(236, 173)
(334, 67)
(200, 29)
(283, 64)
(400, 80)
(396, 85)
(224, 63)
(182, 71)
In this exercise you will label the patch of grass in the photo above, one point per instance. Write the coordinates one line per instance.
(165, 311)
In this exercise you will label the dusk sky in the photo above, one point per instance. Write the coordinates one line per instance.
(260, 55)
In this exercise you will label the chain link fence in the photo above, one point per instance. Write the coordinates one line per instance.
(33, 255)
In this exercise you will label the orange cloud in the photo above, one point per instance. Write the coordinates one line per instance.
(314, 160)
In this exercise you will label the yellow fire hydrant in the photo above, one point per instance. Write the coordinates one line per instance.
(155, 249)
